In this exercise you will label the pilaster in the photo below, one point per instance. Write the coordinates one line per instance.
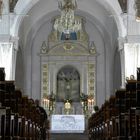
(121, 42)
(14, 40)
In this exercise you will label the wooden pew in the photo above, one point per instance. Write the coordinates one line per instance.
(17, 121)
(2, 74)
(2, 122)
(131, 107)
(113, 114)
(137, 111)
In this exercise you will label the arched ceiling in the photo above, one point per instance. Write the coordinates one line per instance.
(106, 13)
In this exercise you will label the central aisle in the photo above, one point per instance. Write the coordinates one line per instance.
(68, 136)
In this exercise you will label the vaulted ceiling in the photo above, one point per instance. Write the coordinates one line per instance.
(105, 15)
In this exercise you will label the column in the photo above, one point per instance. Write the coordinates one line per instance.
(121, 42)
(54, 79)
(14, 56)
(49, 75)
(82, 79)
(9, 54)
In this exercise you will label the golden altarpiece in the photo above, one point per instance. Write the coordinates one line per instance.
(68, 72)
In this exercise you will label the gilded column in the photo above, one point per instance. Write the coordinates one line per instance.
(82, 80)
(54, 79)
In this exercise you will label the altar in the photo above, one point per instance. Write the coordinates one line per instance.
(67, 123)
(68, 77)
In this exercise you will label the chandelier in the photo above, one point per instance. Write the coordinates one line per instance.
(67, 22)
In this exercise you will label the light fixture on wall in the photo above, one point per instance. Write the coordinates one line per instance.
(67, 22)
(137, 7)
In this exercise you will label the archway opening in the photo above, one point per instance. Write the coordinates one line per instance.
(68, 84)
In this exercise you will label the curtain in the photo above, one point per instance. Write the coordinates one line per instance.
(132, 59)
(6, 59)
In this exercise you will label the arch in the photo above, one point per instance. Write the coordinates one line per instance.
(116, 14)
(48, 18)
(22, 8)
(68, 84)
(32, 35)
(106, 4)
(50, 12)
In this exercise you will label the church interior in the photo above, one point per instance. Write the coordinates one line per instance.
(69, 69)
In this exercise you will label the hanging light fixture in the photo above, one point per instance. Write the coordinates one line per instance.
(67, 22)
(137, 4)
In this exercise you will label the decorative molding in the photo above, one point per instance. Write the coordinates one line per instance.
(14, 40)
(91, 80)
(133, 39)
(4, 38)
(44, 48)
(66, 48)
(44, 83)
(92, 48)
(121, 42)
